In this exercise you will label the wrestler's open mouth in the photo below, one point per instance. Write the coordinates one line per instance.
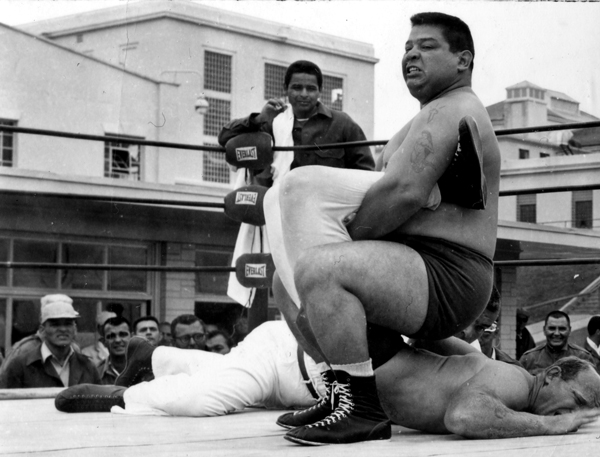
(411, 70)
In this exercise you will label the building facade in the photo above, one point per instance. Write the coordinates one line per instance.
(135, 73)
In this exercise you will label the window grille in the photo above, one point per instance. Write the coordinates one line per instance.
(219, 114)
(8, 145)
(582, 209)
(217, 72)
(523, 153)
(215, 167)
(122, 160)
(332, 92)
(274, 76)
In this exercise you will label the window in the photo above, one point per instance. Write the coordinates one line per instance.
(332, 92)
(217, 85)
(274, 78)
(526, 208)
(79, 38)
(217, 72)
(91, 290)
(212, 283)
(215, 167)
(582, 212)
(544, 154)
(523, 153)
(122, 160)
(7, 144)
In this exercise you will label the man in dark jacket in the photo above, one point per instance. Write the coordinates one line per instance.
(51, 361)
(557, 329)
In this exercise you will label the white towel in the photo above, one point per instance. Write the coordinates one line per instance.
(252, 239)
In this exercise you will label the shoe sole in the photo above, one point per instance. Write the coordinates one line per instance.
(287, 427)
(293, 439)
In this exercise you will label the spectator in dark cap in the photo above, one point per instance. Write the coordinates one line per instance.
(525, 341)
(557, 329)
(592, 343)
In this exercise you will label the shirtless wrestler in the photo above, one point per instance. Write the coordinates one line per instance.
(424, 274)
(464, 393)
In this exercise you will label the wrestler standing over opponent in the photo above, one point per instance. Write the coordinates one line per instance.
(425, 274)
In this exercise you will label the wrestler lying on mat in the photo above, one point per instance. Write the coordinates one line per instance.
(467, 394)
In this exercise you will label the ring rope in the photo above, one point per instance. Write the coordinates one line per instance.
(32, 131)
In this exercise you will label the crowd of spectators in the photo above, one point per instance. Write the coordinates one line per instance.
(52, 358)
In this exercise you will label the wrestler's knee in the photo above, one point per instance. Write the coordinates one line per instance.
(314, 271)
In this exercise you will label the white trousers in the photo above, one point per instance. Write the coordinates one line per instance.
(261, 371)
(307, 208)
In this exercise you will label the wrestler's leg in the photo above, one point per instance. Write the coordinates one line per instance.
(170, 360)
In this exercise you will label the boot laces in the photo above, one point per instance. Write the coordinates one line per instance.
(322, 400)
(344, 408)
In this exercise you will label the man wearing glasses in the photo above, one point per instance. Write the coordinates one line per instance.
(116, 335)
(188, 332)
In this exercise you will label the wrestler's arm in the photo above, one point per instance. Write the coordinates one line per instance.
(487, 407)
(411, 173)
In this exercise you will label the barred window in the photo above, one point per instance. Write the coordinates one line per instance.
(122, 160)
(219, 113)
(215, 167)
(526, 208)
(217, 72)
(274, 76)
(332, 92)
(8, 145)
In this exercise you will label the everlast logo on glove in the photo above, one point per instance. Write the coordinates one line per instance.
(256, 270)
(246, 198)
(247, 153)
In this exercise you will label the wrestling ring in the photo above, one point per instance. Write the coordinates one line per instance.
(30, 412)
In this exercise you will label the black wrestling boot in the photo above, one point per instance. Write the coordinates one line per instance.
(138, 367)
(357, 417)
(89, 398)
(315, 413)
(463, 183)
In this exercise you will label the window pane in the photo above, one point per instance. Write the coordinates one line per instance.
(583, 214)
(35, 251)
(82, 279)
(4, 258)
(274, 77)
(134, 281)
(219, 114)
(7, 145)
(212, 283)
(217, 72)
(26, 319)
(122, 161)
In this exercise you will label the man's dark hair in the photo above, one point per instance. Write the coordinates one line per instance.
(115, 322)
(185, 319)
(557, 315)
(593, 325)
(144, 318)
(455, 31)
(303, 66)
(493, 305)
(227, 338)
(571, 366)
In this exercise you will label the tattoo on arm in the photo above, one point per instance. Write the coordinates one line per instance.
(433, 112)
(421, 152)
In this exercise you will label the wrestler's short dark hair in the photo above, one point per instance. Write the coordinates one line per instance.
(303, 66)
(185, 319)
(557, 314)
(115, 322)
(142, 319)
(493, 305)
(593, 325)
(455, 31)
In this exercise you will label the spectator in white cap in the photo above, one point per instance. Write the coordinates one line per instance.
(51, 362)
(98, 352)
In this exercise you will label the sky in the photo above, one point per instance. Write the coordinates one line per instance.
(554, 45)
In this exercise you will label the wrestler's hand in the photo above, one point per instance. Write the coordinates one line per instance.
(349, 218)
(272, 108)
(571, 422)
